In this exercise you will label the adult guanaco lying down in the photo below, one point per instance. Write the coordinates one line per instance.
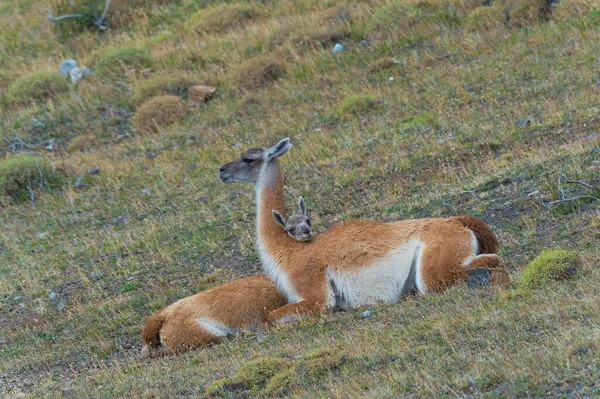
(211, 316)
(359, 262)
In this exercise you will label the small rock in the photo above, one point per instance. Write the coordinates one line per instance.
(523, 123)
(190, 139)
(145, 191)
(96, 276)
(42, 235)
(68, 392)
(66, 67)
(18, 297)
(79, 73)
(51, 146)
(94, 171)
(200, 94)
(52, 296)
(237, 146)
(61, 306)
(366, 314)
(190, 167)
(146, 73)
(533, 193)
(369, 141)
(391, 78)
(338, 48)
(364, 43)
(141, 216)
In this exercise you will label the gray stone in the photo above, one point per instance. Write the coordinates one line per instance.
(79, 73)
(52, 296)
(96, 276)
(42, 235)
(145, 191)
(66, 67)
(366, 314)
(524, 122)
(94, 171)
(338, 48)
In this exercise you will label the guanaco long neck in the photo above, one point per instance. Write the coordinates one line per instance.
(272, 239)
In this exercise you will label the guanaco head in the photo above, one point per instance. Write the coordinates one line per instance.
(297, 225)
(247, 167)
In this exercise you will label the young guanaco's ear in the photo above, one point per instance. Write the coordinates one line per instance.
(301, 206)
(278, 150)
(279, 219)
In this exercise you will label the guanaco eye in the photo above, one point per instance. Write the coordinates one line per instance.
(247, 160)
(308, 222)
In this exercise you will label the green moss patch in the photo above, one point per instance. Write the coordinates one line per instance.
(252, 376)
(548, 267)
(37, 86)
(113, 62)
(23, 175)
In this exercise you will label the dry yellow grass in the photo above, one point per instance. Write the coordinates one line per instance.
(158, 112)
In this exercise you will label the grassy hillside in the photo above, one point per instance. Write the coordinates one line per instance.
(433, 108)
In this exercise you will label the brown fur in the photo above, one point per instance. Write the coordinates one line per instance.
(488, 242)
(238, 305)
(301, 268)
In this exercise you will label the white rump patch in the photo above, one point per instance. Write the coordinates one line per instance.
(214, 327)
(475, 246)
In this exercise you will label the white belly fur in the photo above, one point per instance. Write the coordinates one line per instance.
(382, 281)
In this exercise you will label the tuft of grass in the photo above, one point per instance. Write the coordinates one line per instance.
(307, 36)
(566, 10)
(259, 72)
(159, 84)
(158, 112)
(485, 18)
(550, 266)
(383, 64)
(22, 176)
(37, 86)
(252, 376)
(526, 12)
(113, 62)
(222, 18)
(357, 105)
(311, 367)
(83, 143)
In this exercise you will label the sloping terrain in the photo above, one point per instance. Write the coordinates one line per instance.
(432, 108)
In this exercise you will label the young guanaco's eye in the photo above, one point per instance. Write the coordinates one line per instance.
(247, 160)
(308, 222)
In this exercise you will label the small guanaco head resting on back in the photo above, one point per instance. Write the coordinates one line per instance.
(297, 225)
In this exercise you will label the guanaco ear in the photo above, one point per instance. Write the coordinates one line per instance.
(301, 206)
(279, 219)
(278, 150)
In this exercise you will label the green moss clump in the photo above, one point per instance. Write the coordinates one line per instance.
(159, 111)
(113, 62)
(222, 18)
(259, 72)
(174, 84)
(321, 361)
(22, 175)
(550, 266)
(280, 383)
(357, 105)
(251, 376)
(485, 18)
(37, 86)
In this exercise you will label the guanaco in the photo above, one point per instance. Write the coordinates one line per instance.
(211, 316)
(359, 262)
